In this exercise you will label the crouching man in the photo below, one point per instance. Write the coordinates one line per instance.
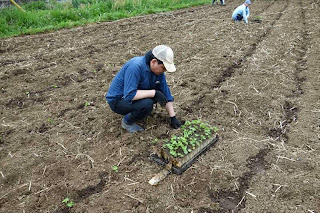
(139, 85)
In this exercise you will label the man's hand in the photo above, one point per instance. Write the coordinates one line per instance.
(174, 122)
(161, 98)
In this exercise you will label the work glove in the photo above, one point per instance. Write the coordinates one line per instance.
(160, 98)
(174, 122)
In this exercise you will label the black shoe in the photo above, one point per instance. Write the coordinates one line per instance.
(131, 127)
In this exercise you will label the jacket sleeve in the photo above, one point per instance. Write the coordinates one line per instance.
(246, 14)
(131, 81)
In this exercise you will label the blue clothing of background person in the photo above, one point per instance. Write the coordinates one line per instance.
(242, 12)
(140, 84)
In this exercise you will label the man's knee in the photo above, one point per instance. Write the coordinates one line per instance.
(145, 106)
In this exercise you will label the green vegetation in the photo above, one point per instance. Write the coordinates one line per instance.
(115, 168)
(68, 202)
(51, 121)
(193, 134)
(155, 140)
(41, 16)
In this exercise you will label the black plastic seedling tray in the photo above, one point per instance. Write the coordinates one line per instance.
(185, 166)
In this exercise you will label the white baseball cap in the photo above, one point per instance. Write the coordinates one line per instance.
(165, 54)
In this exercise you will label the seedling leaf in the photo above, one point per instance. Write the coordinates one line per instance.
(70, 204)
(65, 200)
(50, 121)
(115, 168)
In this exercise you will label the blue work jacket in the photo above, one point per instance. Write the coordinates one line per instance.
(136, 75)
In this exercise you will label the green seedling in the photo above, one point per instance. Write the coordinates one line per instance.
(87, 104)
(27, 93)
(115, 168)
(50, 121)
(259, 17)
(155, 140)
(193, 134)
(68, 202)
(54, 86)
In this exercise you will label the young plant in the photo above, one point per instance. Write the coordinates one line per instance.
(115, 168)
(68, 202)
(155, 140)
(193, 134)
(50, 121)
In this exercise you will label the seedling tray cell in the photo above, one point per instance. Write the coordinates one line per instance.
(184, 163)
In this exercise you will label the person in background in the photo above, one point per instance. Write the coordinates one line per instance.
(221, 2)
(139, 85)
(242, 12)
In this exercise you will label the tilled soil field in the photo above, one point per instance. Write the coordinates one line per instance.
(258, 83)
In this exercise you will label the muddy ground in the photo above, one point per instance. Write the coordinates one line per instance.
(258, 83)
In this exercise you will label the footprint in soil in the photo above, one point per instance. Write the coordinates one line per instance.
(86, 192)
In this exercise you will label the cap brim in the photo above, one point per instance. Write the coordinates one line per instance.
(169, 67)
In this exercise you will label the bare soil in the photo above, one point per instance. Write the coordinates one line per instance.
(258, 83)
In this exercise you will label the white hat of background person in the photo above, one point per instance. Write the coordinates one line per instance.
(165, 54)
(247, 2)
